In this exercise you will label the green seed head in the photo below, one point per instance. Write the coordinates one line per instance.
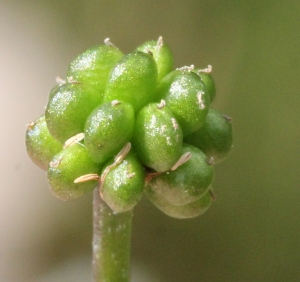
(110, 101)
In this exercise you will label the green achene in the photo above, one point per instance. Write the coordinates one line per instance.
(206, 77)
(190, 210)
(133, 80)
(123, 184)
(214, 138)
(68, 109)
(187, 98)
(40, 145)
(107, 129)
(157, 137)
(94, 65)
(68, 165)
(189, 182)
(162, 55)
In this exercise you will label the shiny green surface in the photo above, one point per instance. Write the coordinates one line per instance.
(214, 138)
(68, 109)
(68, 165)
(133, 80)
(40, 145)
(123, 186)
(107, 129)
(188, 183)
(186, 96)
(162, 55)
(94, 65)
(157, 137)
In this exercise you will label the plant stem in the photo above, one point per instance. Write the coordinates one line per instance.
(111, 243)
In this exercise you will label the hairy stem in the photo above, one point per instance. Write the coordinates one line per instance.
(111, 243)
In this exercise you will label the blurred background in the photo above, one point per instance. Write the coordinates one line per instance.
(252, 231)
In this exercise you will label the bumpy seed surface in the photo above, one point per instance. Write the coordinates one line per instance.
(214, 138)
(157, 137)
(40, 145)
(133, 80)
(187, 97)
(123, 184)
(93, 66)
(107, 129)
(68, 109)
(109, 101)
(188, 183)
(68, 165)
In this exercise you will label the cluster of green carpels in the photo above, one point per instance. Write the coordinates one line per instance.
(131, 123)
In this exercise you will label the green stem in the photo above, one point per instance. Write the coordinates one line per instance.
(111, 243)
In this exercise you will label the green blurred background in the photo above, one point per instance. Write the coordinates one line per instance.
(252, 232)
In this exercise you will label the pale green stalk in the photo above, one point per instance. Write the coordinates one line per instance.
(111, 243)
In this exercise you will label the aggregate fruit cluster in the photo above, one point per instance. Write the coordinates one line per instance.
(132, 124)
